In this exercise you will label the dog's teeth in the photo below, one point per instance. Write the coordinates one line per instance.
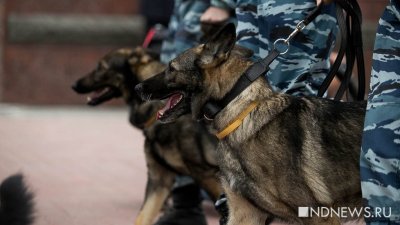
(88, 98)
(179, 100)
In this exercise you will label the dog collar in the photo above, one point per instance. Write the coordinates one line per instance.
(236, 122)
(212, 108)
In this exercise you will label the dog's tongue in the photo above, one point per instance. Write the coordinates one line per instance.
(96, 94)
(171, 103)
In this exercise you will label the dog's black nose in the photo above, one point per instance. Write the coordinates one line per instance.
(78, 88)
(139, 88)
(75, 87)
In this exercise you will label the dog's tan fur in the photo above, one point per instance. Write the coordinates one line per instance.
(185, 146)
(288, 152)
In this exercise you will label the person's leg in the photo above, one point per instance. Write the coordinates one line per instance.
(186, 209)
(380, 155)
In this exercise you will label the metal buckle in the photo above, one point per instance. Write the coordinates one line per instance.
(281, 52)
(299, 27)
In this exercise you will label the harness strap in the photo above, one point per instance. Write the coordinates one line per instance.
(236, 122)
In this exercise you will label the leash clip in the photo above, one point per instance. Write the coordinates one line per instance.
(299, 27)
(286, 42)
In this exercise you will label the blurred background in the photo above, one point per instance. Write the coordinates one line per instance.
(85, 165)
(45, 45)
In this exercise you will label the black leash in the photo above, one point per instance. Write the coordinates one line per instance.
(351, 46)
(350, 29)
(212, 108)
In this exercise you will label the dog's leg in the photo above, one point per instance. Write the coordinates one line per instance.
(152, 206)
(159, 185)
(241, 211)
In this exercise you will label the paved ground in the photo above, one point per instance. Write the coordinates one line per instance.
(84, 164)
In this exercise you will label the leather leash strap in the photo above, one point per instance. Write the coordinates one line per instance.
(351, 46)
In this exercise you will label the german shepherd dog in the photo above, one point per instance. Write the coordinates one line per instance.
(16, 202)
(184, 147)
(288, 151)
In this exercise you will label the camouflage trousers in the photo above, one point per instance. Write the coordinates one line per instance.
(380, 153)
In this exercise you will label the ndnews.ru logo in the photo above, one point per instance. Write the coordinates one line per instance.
(345, 212)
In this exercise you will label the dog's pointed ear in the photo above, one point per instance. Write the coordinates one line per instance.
(218, 48)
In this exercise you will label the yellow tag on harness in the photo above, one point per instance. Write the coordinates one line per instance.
(237, 122)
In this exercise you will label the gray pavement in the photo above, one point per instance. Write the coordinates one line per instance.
(85, 165)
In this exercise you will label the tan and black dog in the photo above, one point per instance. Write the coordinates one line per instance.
(277, 152)
(184, 147)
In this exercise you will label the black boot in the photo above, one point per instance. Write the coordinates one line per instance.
(186, 207)
(221, 205)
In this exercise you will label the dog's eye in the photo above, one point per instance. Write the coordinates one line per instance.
(102, 65)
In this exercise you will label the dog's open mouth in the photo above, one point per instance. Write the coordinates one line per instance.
(172, 103)
(101, 95)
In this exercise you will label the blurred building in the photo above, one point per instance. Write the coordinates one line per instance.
(45, 44)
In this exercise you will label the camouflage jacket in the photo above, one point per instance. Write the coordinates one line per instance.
(260, 22)
(184, 27)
